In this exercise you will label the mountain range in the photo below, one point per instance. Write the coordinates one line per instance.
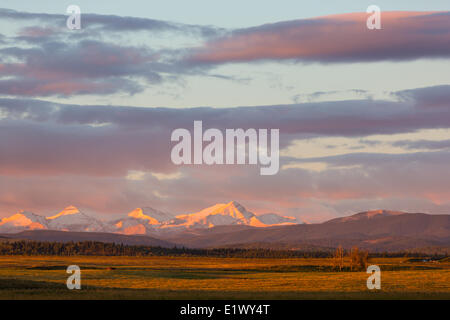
(377, 230)
(143, 221)
(232, 225)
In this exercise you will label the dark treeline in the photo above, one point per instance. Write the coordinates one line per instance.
(92, 248)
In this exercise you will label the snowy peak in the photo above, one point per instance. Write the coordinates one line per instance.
(23, 220)
(152, 215)
(66, 212)
(276, 219)
(141, 221)
(72, 219)
(236, 210)
(231, 213)
(219, 214)
(138, 213)
(232, 209)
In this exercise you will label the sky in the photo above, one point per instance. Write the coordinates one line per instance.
(86, 115)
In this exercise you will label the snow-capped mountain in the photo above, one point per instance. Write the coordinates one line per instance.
(231, 213)
(217, 215)
(152, 215)
(276, 219)
(21, 221)
(150, 221)
(140, 221)
(72, 219)
(145, 220)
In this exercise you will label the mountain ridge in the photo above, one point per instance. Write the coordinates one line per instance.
(145, 220)
(375, 230)
(393, 232)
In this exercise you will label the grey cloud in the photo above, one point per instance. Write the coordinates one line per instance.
(436, 96)
(339, 118)
(113, 22)
(86, 67)
(31, 128)
(423, 144)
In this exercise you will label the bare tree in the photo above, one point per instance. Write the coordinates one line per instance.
(358, 259)
(363, 259)
(339, 258)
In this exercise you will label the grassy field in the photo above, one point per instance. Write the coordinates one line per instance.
(25, 277)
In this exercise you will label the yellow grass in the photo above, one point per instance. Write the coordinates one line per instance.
(24, 277)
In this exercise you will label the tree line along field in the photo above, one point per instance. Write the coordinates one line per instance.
(195, 277)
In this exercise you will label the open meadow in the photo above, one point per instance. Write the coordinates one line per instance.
(44, 277)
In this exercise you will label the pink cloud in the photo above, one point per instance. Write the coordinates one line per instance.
(36, 32)
(336, 38)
